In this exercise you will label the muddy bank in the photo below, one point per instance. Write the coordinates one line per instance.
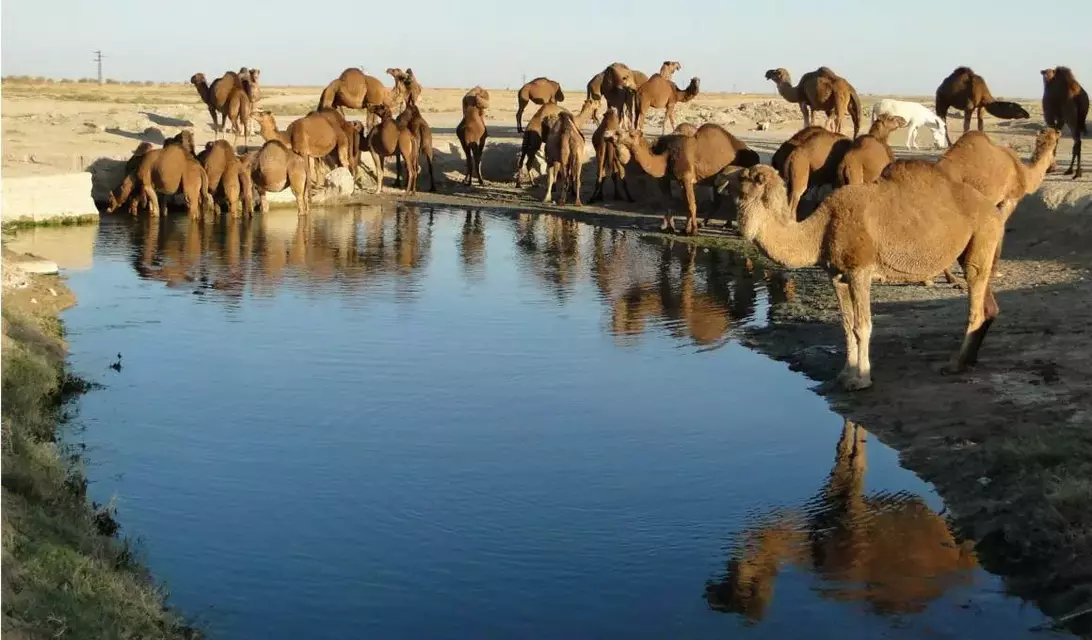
(65, 571)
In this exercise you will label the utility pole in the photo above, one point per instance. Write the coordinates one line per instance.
(98, 60)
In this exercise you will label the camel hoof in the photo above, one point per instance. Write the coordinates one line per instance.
(953, 369)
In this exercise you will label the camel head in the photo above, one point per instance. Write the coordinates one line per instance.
(887, 123)
(940, 134)
(198, 79)
(760, 193)
(1047, 143)
(142, 148)
(383, 111)
(397, 74)
(559, 95)
(626, 139)
(254, 73)
(694, 86)
(669, 67)
(1048, 75)
(264, 118)
(778, 75)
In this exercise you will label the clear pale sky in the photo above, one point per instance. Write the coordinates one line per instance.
(881, 47)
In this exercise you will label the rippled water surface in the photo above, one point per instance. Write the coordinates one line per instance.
(393, 423)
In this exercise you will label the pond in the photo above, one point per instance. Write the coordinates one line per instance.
(406, 421)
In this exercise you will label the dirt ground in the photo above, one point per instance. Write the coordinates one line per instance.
(1008, 445)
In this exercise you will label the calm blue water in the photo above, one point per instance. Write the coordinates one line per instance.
(395, 423)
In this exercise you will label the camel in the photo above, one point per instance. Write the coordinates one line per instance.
(134, 200)
(916, 115)
(250, 83)
(889, 551)
(534, 134)
(813, 162)
(352, 131)
(907, 227)
(689, 160)
(538, 91)
(595, 93)
(618, 87)
(472, 134)
(820, 90)
(868, 155)
(1065, 102)
(410, 88)
(356, 90)
(564, 158)
(313, 136)
(274, 167)
(167, 171)
(476, 97)
(411, 119)
(967, 91)
(238, 110)
(226, 176)
(218, 96)
(661, 93)
(388, 138)
(610, 160)
(787, 147)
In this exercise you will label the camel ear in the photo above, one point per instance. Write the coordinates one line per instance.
(900, 121)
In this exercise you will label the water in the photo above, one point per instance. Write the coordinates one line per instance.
(432, 423)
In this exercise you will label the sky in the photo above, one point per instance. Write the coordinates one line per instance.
(880, 47)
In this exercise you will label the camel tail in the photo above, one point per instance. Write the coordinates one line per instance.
(329, 95)
(855, 110)
(1006, 110)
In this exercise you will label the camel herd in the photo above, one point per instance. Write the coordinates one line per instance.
(881, 218)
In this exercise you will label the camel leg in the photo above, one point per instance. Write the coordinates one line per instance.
(911, 136)
(625, 188)
(797, 183)
(982, 309)
(845, 304)
(263, 202)
(1075, 158)
(519, 116)
(551, 174)
(807, 116)
(431, 174)
(967, 120)
(575, 182)
(668, 223)
(377, 162)
(469, 164)
(860, 285)
(398, 169)
(981, 124)
(153, 199)
(478, 150)
(691, 208)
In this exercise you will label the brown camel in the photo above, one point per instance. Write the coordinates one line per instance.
(313, 136)
(135, 198)
(619, 86)
(352, 130)
(472, 134)
(564, 157)
(595, 93)
(967, 91)
(387, 139)
(908, 227)
(1065, 102)
(787, 147)
(689, 160)
(610, 159)
(356, 90)
(217, 96)
(238, 110)
(273, 168)
(410, 88)
(226, 176)
(821, 90)
(661, 93)
(478, 97)
(888, 551)
(535, 133)
(813, 163)
(411, 119)
(868, 155)
(167, 171)
(538, 91)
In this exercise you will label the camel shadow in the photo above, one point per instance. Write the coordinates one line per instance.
(166, 121)
(151, 134)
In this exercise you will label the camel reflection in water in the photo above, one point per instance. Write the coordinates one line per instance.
(888, 551)
(472, 245)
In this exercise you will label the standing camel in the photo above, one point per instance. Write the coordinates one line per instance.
(313, 136)
(355, 90)
(564, 158)
(1065, 102)
(967, 91)
(661, 93)
(389, 138)
(220, 95)
(537, 130)
(472, 134)
(906, 228)
(619, 85)
(411, 119)
(410, 88)
(689, 160)
(821, 90)
(273, 168)
(538, 91)
(610, 158)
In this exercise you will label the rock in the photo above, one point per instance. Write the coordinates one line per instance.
(763, 126)
(340, 181)
(38, 265)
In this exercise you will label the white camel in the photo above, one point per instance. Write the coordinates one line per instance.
(916, 115)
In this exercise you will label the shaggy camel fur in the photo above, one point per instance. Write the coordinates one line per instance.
(619, 86)
(410, 88)
(134, 199)
(610, 159)
(868, 155)
(661, 93)
(167, 171)
(387, 139)
(226, 177)
(534, 134)
(967, 91)
(564, 157)
(472, 134)
(313, 136)
(907, 228)
(273, 168)
(821, 90)
(538, 91)
(813, 163)
(1065, 102)
(356, 90)
(887, 552)
(412, 120)
(689, 160)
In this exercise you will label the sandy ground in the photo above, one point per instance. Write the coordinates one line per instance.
(1009, 445)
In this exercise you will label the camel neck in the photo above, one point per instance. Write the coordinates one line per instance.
(790, 243)
(788, 91)
(1037, 169)
(582, 118)
(652, 164)
(203, 90)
